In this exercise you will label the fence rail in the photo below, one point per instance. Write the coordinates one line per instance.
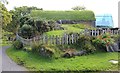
(66, 38)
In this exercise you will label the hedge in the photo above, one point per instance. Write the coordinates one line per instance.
(64, 15)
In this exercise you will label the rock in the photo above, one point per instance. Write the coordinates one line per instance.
(112, 48)
(83, 52)
(114, 61)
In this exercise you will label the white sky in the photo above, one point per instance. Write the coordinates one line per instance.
(98, 6)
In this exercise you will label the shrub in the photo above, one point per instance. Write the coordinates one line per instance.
(18, 45)
(35, 47)
(41, 25)
(89, 48)
(46, 51)
(84, 42)
(116, 37)
(27, 31)
(103, 40)
(42, 50)
(51, 24)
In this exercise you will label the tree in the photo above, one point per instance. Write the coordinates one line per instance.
(20, 12)
(5, 16)
(19, 15)
(79, 8)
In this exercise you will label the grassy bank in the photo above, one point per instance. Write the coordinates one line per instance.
(97, 61)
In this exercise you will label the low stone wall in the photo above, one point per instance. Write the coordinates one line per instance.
(91, 23)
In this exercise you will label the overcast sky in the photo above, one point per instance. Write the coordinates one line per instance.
(98, 6)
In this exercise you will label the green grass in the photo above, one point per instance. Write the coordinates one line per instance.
(67, 29)
(64, 15)
(83, 26)
(97, 61)
(55, 32)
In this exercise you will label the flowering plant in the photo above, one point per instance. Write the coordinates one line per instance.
(104, 39)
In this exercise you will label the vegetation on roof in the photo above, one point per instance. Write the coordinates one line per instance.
(64, 15)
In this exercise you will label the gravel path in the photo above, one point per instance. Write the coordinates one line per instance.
(8, 64)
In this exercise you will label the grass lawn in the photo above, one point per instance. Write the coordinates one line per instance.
(68, 29)
(97, 61)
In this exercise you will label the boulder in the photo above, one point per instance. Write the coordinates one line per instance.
(80, 53)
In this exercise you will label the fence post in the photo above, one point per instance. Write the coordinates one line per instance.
(56, 40)
(63, 40)
(60, 40)
(92, 32)
(72, 39)
(53, 39)
(43, 39)
(67, 39)
(95, 32)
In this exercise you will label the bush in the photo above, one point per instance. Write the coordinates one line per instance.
(27, 31)
(18, 45)
(35, 47)
(51, 24)
(41, 26)
(42, 50)
(83, 40)
(103, 40)
(85, 43)
(46, 51)
(89, 48)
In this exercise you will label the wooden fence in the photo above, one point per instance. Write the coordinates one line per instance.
(65, 39)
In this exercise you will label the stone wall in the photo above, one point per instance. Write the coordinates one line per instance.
(92, 23)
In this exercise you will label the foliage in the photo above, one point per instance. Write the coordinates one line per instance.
(104, 39)
(79, 8)
(64, 15)
(5, 16)
(18, 45)
(89, 48)
(42, 26)
(46, 51)
(84, 42)
(4, 38)
(27, 31)
(19, 14)
(24, 10)
(52, 24)
(43, 50)
(11, 28)
(99, 61)
(115, 37)
(27, 20)
(35, 47)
